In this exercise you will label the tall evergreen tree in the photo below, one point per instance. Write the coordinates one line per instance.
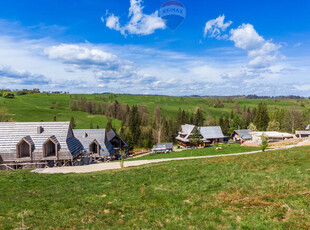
(134, 125)
(109, 126)
(195, 138)
(198, 117)
(72, 123)
(262, 118)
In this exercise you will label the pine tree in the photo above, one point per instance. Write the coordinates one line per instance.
(134, 125)
(72, 123)
(262, 118)
(195, 138)
(109, 126)
(198, 117)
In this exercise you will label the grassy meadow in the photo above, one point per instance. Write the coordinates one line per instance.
(36, 107)
(209, 151)
(268, 190)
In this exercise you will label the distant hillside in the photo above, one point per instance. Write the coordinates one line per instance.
(47, 107)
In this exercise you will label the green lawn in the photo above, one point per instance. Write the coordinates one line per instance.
(226, 149)
(262, 191)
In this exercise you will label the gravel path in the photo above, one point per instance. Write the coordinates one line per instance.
(116, 165)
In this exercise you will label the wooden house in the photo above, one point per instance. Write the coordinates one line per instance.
(37, 144)
(209, 135)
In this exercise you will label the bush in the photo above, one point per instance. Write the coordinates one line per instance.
(265, 143)
(8, 95)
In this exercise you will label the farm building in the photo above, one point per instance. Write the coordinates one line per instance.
(303, 133)
(37, 144)
(241, 135)
(94, 142)
(272, 136)
(162, 148)
(209, 135)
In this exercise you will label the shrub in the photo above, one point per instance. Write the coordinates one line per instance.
(8, 95)
(265, 143)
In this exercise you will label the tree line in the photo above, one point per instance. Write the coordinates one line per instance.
(142, 129)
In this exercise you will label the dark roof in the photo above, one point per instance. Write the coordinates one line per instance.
(36, 133)
(244, 133)
(112, 134)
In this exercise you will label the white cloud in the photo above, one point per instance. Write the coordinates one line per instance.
(76, 54)
(215, 27)
(139, 23)
(262, 53)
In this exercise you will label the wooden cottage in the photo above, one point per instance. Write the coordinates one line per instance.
(209, 135)
(37, 144)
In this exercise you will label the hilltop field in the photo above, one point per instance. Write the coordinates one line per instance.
(268, 190)
(43, 106)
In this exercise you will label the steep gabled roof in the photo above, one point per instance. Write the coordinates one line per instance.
(87, 136)
(186, 131)
(112, 134)
(12, 132)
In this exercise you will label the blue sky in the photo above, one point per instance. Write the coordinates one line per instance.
(221, 48)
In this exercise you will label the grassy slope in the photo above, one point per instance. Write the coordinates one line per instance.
(262, 191)
(226, 149)
(36, 107)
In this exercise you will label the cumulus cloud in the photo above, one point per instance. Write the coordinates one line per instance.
(139, 23)
(263, 53)
(215, 27)
(82, 56)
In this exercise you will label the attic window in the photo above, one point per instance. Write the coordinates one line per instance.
(40, 129)
(85, 135)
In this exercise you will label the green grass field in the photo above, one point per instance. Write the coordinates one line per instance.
(226, 149)
(262, 191)
(36, 107)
